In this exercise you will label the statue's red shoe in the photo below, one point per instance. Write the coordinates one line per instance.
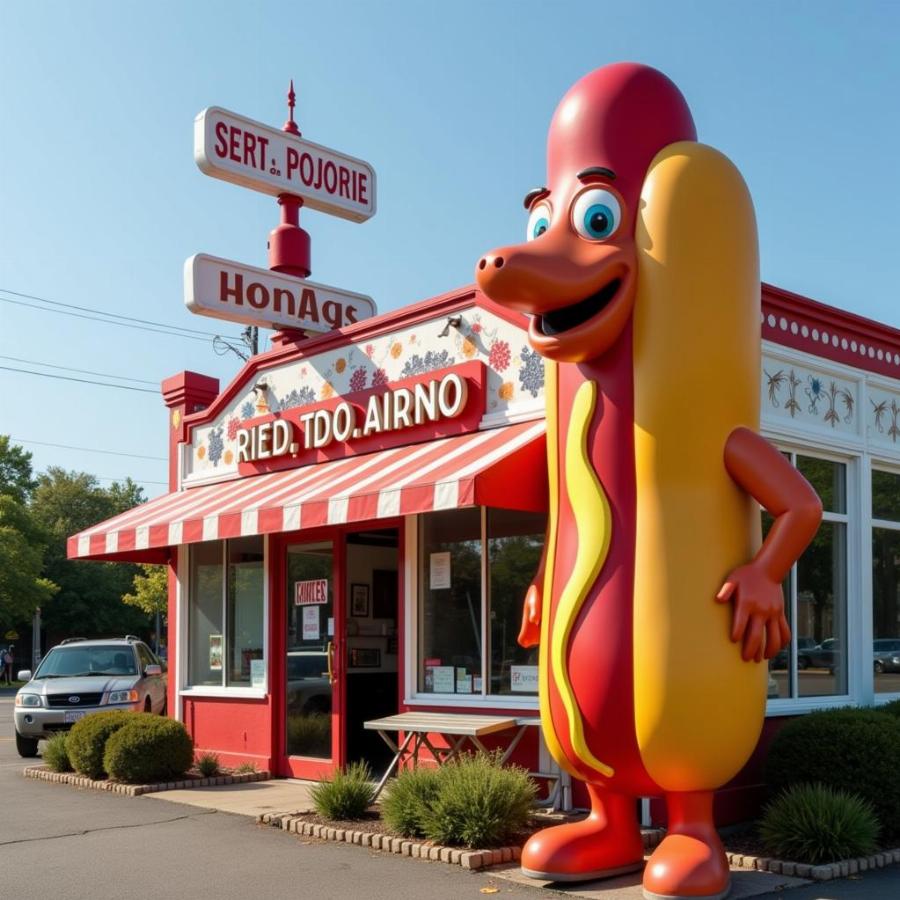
(686, 867)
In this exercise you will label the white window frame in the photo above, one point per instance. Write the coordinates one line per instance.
(892, 468)
(182, 672)
(780, 706)
(412, 695)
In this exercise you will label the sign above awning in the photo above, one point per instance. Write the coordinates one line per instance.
(500, 467)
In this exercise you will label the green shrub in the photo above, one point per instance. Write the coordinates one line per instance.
(410, 797)
(347, 795)
(246, 768)
(208, 765)
(479, 802)
(811, 823)
(148, 749)
(892, 708)
(55, 754)
(86, 742)
(853, 750)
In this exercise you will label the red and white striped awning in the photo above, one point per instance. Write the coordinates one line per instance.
(502, 467)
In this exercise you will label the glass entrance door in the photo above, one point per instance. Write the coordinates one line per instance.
(313, 660)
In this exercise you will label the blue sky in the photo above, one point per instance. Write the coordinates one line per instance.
(101, 203)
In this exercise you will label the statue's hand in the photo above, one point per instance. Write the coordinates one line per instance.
(758, 619)
(530, 633)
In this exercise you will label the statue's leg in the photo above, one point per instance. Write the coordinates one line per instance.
(690, 862)
(608, 842)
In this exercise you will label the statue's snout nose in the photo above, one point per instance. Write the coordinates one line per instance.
(490, 260)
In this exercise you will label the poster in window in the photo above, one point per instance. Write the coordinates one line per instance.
(439, 571)
(359, 600)
(444, 679)
(311, 623)
(215, 652)
(523, 679)
(311, 593)
(463, 681)
(257, 672)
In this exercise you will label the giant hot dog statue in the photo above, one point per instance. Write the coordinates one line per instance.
(657, 603)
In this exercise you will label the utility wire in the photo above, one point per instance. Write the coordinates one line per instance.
(122, 387)
(34, 362)
(63, 312)
(104, 313)
(88, 449)
(122, 479)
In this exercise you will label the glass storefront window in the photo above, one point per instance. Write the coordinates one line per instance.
(515, 542)
(450, 639)
(475, 567)
(207, 640)
(244, 613)
(815, 592)
(886, 582)
(225, 613)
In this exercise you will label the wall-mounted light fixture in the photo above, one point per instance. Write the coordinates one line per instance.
(452, 322)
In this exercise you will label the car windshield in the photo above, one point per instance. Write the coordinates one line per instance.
(70, 662)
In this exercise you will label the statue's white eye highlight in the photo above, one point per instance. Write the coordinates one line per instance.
(596, 214)
(538, 221)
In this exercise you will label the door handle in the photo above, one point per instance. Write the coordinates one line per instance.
(330, 657)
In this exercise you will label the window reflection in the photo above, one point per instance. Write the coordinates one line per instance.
(886, 583)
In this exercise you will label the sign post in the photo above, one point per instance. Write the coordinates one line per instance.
(298, 172)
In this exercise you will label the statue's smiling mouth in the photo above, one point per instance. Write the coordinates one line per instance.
(569, 317)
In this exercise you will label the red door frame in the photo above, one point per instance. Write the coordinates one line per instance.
(308, 767)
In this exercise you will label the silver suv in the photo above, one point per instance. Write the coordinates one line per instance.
(78, 677)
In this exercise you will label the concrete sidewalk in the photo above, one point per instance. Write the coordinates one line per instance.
(280, 795)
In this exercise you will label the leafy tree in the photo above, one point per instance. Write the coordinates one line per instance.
(22, 585)
(151, 590)
(90, 594)
(16, 478)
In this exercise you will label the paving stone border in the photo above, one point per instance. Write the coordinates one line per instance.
(826, 872)
(42, 773)
(402, 846)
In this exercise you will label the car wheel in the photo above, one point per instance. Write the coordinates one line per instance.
(802, 662)
(27, 747)
(879, 667)
(147, 705)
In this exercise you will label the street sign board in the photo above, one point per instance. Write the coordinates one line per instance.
(256, 156)
(229, 290)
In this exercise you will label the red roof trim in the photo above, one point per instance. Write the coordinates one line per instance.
(821, 330)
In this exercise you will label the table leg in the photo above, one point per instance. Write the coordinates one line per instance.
(394, 762)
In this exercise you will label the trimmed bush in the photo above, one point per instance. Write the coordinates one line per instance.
(86, 742)
(811, 823)
(853, 750)
(479, 802)
(208, 765)
(892, 708)
(407, 802)
(148, 749)
(347, 795)
(55, 754)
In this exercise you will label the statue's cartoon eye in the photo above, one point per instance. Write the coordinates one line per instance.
(538, 221)
(596, 214)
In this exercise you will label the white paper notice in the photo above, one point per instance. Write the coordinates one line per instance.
(523, 679)
(257, 672)
(330, 627)
(444, 679)
(440, 571)
(311, 623)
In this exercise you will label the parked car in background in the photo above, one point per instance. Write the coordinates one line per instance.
(82, 676)
(886, 652)
(806, 653)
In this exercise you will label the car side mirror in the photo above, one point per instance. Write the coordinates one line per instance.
(24, 675)
(153, 670)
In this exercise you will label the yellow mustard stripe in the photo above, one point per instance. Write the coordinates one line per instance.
(593, 521)
(551, 394)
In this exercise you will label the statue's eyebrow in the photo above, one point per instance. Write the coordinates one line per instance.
(535, 194)
(596, 172)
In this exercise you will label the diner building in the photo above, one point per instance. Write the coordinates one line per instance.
(353, 522)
